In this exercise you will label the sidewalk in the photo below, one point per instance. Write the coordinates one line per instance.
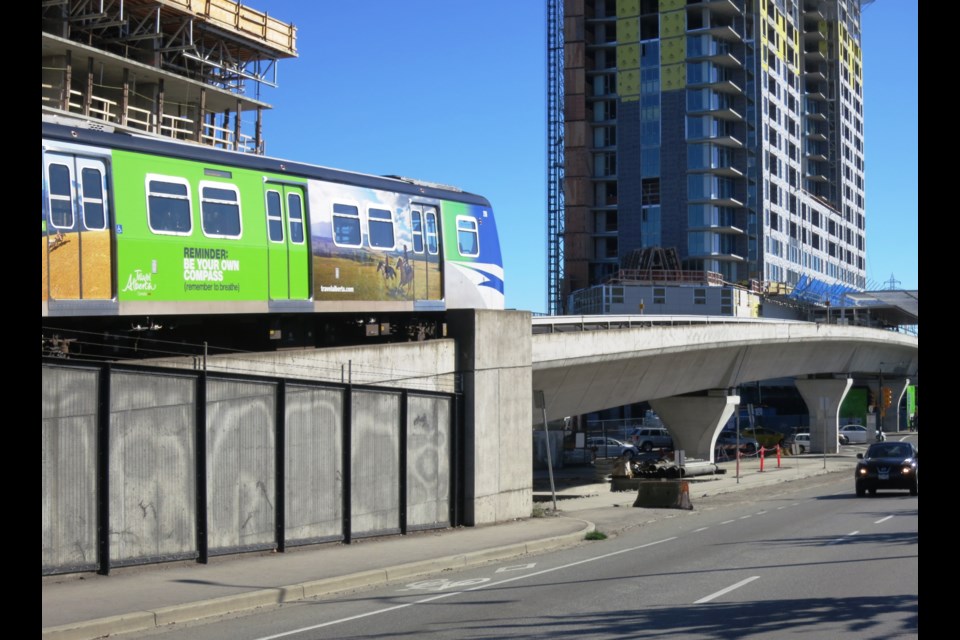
(90, 606)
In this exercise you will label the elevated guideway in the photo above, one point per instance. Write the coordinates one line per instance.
(589, 363)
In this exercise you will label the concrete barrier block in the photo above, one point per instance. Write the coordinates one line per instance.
(663, 494)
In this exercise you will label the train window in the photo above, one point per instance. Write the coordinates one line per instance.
(346, 225)
(220, 210)
(94, 215)
(295, 213)
(468, 240)
(380, 228)
(417, 219)
(168, 205)
(274, 216)
(61, 202)
(432, 247)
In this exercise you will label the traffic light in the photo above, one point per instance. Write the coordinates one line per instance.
(887, 397)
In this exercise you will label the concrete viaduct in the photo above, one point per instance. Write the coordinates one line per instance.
(687, 368)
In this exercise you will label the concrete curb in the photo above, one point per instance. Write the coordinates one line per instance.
(194, 611)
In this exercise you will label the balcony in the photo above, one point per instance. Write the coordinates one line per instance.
(814, 31)
(717, 7)
(816, 153)
(720, 83)
(723, 257)
(816, 171)
(704, 48)
(725, 230)
(813, 54)
(814, 110)
(815, 133)
(719, 32)
(814, 74)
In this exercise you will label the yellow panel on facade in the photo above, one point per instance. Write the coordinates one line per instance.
(673, 77)
(628, 56)
(628, 8)
(671, 5)
(628, 29)
(628, 84)
(673, 24)
(673, 50)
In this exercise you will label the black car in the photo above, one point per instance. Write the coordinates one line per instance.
(888, 465)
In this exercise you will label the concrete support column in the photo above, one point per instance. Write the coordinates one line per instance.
(823, 397)
(891, 416)
(494, 358)
(695, 421)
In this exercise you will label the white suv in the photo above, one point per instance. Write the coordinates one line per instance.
(650, 438)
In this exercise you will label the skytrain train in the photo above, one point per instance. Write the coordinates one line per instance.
(191, 242)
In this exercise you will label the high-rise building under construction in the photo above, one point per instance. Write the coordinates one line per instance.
(729, 130)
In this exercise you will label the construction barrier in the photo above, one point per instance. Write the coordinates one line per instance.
(663, 494)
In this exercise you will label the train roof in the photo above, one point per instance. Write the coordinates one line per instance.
(80, 132)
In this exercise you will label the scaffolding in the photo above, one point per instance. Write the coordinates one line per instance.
(184, 69)
(555, 157)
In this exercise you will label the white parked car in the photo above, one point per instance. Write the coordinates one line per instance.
(611, 447)
(855, 433)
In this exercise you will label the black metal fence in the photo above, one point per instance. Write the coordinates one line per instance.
(144, 465)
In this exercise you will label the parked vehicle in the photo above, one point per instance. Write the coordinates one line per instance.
(766, 437)
(611, 447)
(888, 465)
(650, 438)
(728, 440)
(802, 440)
(855, 433)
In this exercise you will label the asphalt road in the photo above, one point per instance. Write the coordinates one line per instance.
(806, 559)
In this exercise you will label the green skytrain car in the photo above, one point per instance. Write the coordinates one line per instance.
(139, 232)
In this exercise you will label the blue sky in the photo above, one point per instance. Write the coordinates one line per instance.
(455, 92)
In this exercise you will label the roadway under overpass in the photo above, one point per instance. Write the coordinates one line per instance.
(688, 368)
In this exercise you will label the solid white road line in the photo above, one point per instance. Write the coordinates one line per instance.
(727, 590)
(839, 540)
(443, 596)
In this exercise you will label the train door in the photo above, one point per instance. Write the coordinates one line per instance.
(288, 254)
(426, 249)
(77, 261)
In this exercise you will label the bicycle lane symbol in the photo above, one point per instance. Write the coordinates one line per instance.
(442, 584)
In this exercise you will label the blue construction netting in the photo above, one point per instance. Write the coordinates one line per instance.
(818, 292)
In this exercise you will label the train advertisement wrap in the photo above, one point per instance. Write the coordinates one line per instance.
(374, 245)
(131, 221)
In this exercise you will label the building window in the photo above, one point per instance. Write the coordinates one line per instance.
(650, 191)
(699, 296)
(659, 295)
